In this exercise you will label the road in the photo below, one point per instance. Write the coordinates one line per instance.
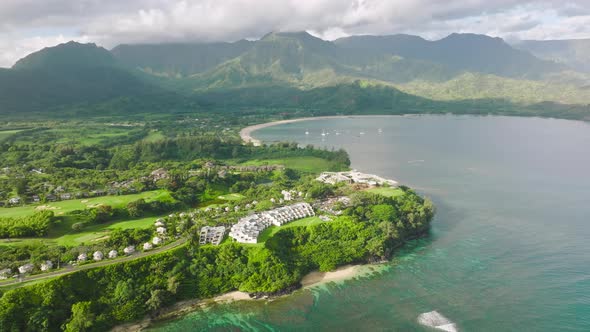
(72, 269)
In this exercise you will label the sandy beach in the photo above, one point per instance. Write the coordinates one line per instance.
(314, 278)
(341, 273)
(246, 133)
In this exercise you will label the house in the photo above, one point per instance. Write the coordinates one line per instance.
(209, 164)
(222, 174)
(113, 254)
(286, 195)
(65, 196)
(14, 201)
(27, 268)
(2, 203)
(36, 199)
(354, 177)
(82, 257)
(46, 266)
(51, 198)
(129, 250)
(5, 274)
(159, 174)
(159, 223)
(156, 240)
(161, 230)
(97, 256)
(147, 246)
(59, 189)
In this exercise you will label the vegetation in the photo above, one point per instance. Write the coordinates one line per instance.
(372, 227)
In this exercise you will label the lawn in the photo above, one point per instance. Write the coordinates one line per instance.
(96, 232)
(232, 197)
(63, 207)
(386, 191)
(6, 133)
(154, 136)
(304, 164)
(67, 237)
(272, 230)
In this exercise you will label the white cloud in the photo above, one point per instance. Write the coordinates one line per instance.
(110, 22)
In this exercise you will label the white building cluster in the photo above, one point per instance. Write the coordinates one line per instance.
(354, 177)
(248, 228)
(212, 235)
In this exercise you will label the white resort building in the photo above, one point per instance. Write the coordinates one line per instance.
(82, 258)
(5, 274)
(156, 240)
(26, 268)
(147, 246)
(113, 253)
(129, 250)
(98, 256)
(212, 235)
(248, 228)
(354, 177)
(46, 266)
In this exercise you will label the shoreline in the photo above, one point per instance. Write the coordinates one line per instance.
(246, 133)
(179, 309)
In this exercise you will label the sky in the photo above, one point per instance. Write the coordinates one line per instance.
(29, 25)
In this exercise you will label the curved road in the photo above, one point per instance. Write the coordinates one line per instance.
(72, 269)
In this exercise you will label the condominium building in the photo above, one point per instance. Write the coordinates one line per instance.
(248, 228)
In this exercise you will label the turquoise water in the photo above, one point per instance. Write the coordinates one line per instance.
(509, 248)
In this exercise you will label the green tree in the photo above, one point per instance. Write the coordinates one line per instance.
(82, 318)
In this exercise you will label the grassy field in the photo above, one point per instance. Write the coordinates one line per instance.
(232, 197)
(304, 164)
(386, 191)
(272, 230)
(6, 133)
(63, 207)
(65, 236)
(154, 136)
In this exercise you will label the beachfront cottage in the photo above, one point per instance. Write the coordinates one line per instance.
(156, 240)
(46, 266)
(161, 230)
(82, 258)
(147, 246)
(129, 250)
(97, 256)
(113, 254)
(27, 268)
(5, 274)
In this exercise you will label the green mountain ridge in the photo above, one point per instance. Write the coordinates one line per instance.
(68, 74)
(284, 67)
(574, 53)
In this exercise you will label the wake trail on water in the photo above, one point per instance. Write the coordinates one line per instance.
(436, 320)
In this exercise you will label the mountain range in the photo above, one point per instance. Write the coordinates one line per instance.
(459, 67)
